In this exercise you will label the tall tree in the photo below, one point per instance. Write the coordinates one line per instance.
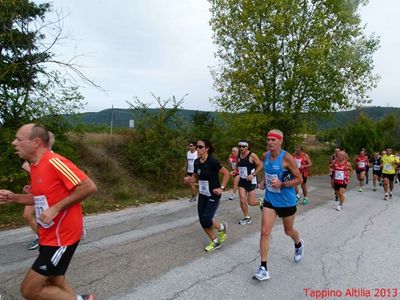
(25, 84)
(284, 57)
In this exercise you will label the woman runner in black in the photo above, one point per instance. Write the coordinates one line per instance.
(206, 172)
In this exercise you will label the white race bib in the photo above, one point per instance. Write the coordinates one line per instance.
(298, 163)
(243, 172)
(377, 167)
(339, 175)
(269, 178)
(254, 180)
(361, 164)
(387, 167)
(41, 205)
(204, 188)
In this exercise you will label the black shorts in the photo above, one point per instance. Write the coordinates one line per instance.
(247, 185)
(54, 261)
(377, 173)
(281, 211)
(388, 176)
(358, 172)
(338, 186)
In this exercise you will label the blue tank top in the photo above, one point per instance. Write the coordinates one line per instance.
(273, 170)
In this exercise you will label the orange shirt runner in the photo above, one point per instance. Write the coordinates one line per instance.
(53, 179)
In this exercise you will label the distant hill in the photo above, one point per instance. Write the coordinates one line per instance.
(121, 117)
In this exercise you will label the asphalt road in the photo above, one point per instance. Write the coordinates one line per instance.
(156, 252)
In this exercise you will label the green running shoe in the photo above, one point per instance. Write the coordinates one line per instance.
(212, 246)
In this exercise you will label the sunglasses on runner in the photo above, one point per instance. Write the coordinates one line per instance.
(200, 146)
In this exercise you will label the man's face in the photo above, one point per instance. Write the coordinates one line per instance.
(23, 145)
(274, 143)
(388, 151)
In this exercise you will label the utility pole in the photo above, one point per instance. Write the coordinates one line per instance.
(112, 119)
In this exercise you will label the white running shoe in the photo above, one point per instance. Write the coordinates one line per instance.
(299, 252)
(262, 274)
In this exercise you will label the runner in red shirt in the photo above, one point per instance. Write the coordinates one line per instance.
(303, 162)
(361, 161)
(232, 161)
(341, 170)
(57, 188)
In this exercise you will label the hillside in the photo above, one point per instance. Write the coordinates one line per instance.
(121, 117)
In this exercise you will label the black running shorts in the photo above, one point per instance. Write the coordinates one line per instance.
(282, 212)
(54, 261)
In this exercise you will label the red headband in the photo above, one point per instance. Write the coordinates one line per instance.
(274, 135)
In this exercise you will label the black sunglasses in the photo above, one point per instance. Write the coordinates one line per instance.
(200, 146)
(242, 146)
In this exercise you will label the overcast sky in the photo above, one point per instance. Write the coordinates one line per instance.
(135, 48)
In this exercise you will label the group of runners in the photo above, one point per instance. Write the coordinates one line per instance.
(57, 187)
(283, 173)
(385, 167)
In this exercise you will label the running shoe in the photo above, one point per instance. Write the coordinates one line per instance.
(390, 196)
(339, 208)
(299, 252)
(386, 197)
(193, 199)
(298, 198)
(305, 201)
(374, 189)
(212, 246)
(88, 297)
(222, 233)
(245, 221)
(262, 274)
(360, 190)
(34, 244)
(232, 197)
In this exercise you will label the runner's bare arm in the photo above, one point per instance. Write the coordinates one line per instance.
(290, 163)
(7, 196)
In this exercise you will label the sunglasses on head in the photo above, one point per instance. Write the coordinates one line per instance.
(200, 146)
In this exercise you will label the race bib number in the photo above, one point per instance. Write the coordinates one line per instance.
(269, 178)
(339, 175)
(377, 167)
(254, 180)
(243, 172)
(204, 188)
(41, 205)
(298, 163)
(387, 167)
(361, 164)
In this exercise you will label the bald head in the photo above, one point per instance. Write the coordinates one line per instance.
(31, 141)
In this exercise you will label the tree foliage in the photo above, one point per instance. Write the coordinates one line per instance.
(28, 90)
(283, 57)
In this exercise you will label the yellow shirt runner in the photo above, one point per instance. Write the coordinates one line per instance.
(389, 163)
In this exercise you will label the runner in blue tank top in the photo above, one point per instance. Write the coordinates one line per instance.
(281, 176)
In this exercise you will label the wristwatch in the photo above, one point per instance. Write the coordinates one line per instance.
(222, 187)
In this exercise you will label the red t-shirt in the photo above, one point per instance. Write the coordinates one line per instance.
(361, 162)
(300, 162)
(53, 179)
(233, 160)
(340, 172)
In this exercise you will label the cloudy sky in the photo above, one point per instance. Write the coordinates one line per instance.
(164, 47)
